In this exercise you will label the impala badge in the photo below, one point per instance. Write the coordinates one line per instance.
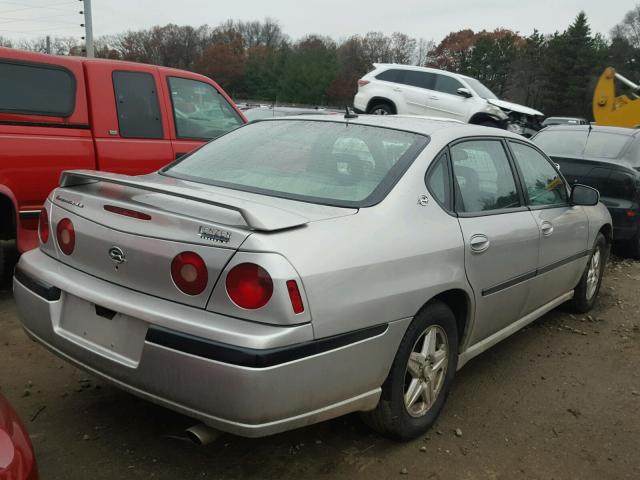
(214, 234)
(117, 255)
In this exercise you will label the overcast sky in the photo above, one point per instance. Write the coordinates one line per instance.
(431, 19)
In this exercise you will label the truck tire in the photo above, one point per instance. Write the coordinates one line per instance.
(420, 377)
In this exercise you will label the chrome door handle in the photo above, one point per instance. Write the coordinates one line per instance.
(479, 243)
(546, 228)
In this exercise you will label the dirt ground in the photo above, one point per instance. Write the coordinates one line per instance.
(558, 400)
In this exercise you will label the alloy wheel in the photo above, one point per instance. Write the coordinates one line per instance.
(426, 371)
(593, 275)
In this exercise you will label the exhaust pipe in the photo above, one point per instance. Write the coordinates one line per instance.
(202, 434)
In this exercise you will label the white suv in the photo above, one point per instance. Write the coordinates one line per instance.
(410, 90)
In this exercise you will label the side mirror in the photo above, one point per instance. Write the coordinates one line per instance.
(464, 92)
(584, 195)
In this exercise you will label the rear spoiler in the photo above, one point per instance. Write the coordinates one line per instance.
(256, 215)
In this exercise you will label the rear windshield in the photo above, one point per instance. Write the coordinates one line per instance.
(579, 143)
(332, 163)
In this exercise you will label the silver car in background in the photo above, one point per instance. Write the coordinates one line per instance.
(298, 269)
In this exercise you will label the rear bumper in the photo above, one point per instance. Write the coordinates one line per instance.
(360, 103)
(241, 377)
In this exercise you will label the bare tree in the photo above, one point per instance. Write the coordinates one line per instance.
(629, 27)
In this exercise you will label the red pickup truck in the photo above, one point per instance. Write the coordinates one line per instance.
(63, 113)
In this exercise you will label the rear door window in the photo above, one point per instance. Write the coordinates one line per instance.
(137, 105)
(419, 79)
(36, 89)
(199, 110)
(483, 176)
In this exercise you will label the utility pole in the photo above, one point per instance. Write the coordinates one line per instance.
(48, 45)
(88, 28)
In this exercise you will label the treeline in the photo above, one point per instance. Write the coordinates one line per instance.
(554, 73)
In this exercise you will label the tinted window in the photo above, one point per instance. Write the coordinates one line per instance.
(316, 161)
(36, 89)
(419, 79)
(483, 176)
(391, 76)
(200, 111)
(579, 142)
(438, 182)
(446, 84)
(544, 185)
(137, 105)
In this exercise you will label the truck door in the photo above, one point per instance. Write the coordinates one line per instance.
(131, 130)
(199, 110)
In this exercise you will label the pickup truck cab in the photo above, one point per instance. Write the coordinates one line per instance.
(66, 113)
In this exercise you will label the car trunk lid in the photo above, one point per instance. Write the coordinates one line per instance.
(148, 221)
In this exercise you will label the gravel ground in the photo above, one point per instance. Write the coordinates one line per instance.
(558, 400)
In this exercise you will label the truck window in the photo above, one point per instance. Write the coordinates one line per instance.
(36, 89)
(199, 110)
(137, 105)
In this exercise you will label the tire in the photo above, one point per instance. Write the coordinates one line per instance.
(381, 109)
(586, 292)
(391, 417)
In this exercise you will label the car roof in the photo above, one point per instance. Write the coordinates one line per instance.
(410, 123)
(401, 66)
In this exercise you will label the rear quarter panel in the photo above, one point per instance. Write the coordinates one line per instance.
(379, 265)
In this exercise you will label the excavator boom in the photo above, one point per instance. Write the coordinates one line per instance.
(612, 110)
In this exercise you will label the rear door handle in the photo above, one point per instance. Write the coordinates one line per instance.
(546, 228)
(479, 243)
(434, 98)
(397, 89)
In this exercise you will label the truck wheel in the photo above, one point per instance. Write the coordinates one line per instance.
(586, 292)
(417, 386)
(381, 109)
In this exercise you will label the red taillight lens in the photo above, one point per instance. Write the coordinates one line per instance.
(294, 295)
(249, 286)
(43, 226)
(66, 236)
(189, 273)
(362, 83)
(631, 213)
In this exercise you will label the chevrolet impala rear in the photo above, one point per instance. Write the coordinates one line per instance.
(207, 287)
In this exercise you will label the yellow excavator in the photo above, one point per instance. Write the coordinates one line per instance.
(617, 111)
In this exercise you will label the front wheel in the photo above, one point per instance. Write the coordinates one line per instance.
(417, 386)
(586, 292)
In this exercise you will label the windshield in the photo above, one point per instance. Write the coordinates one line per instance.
(579, 143)
(324, 162)
(480, 89)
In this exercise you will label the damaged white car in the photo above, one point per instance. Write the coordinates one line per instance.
(409, 90)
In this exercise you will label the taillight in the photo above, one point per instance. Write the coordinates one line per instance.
(631, 213)
(294, 295)
(66, 236)
(362, 82)
(43, 226)
(189, 273)
(249, 286)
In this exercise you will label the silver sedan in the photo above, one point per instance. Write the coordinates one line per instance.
(298, 269)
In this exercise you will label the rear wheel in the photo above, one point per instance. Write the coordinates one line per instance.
(417, 386)
(381, 109)
(586, 292)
